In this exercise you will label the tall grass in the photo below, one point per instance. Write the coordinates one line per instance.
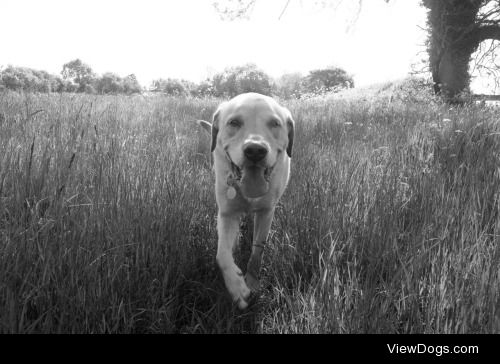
(390, 223)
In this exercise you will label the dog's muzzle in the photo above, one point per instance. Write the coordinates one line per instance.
(254, 152)
(237, 174)
(252, 178)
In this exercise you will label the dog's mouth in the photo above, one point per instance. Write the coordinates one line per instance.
(238, 172)
(251, 179)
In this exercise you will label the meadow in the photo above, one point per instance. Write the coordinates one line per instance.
(390, 223)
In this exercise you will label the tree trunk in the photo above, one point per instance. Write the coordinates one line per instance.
(452, 40)
(451, 73)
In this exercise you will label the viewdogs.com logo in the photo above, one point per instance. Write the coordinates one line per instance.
(437, 350)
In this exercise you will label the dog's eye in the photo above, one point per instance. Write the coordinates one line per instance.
(235, 123)
(273, 123)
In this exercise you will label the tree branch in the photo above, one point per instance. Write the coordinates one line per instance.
(284, 9)
(486, 32)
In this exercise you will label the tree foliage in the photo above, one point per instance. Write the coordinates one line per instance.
(77, 77)
(111, 83)
(79, 73)
(27, 79)
(290, 85)
(317, 82)
(240, 79)
(131, 85)
(172, 86)
(328, 80)
(233, 9)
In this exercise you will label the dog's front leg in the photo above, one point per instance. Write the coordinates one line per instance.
(228, 228)
(262, 225)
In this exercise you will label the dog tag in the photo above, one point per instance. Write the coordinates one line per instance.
(231, 192)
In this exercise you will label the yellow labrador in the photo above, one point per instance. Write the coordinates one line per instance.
(252, 138)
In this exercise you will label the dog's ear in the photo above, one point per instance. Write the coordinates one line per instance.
(290, 125)
(205, 125)
(215, 127)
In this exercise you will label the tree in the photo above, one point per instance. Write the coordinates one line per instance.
(131, 85)
(170, 86)
(240, 79)
(328, 80)
(77, 78)
(59, 85)
(79, 73)
(456, 29)
(204, 89)
(289, 85)
(251, 79)
(110, 83)
(27, 79)
(233, 9)
(230, 10)
(11, 80)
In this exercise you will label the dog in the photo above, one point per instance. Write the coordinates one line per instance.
(252, 140)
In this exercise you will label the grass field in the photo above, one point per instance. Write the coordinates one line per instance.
(390, 223)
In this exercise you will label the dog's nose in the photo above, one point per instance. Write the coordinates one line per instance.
(255, 152)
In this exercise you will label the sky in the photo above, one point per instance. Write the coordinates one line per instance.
(187, 39)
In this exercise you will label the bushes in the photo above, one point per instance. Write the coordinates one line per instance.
(111, 83)
(171, 86)
(249, 78)
(241, 79)
(77, 76)
(22, 78)
(317, 82)
(330, 79)
(80, 78)
(229, 83)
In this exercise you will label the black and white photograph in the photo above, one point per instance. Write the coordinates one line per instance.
(251, 167)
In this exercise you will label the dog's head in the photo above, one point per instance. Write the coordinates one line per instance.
(254, 132)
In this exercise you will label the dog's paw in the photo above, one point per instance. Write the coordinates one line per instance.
(252, 282)
(237, 288)
(241, 294)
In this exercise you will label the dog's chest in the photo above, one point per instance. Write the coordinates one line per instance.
(255, 204)
(247, 204)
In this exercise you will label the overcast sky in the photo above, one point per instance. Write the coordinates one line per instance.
(187, 39)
